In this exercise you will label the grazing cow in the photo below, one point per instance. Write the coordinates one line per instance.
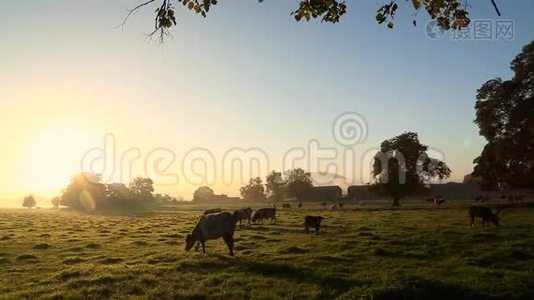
(300, 205)
(265, 213)
(213, 226)
(243, 214)
(485, 214)
(324, 204)
(313, 222)
(340, 205)
(286, 205)
(333, 207)
(438, 200)
(212, 211)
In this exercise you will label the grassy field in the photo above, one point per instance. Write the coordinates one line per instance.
(417, 252)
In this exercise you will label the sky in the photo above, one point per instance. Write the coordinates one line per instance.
(246, 77)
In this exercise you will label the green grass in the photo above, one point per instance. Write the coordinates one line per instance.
(417, 252)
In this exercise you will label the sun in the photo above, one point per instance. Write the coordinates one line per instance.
(53, 157)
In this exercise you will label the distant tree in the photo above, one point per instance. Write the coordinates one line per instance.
(29, 202)
(402, 167)
(254, 190)
(164, 199)
(505, 117)
(142, 189)
(85, 192)
(449, 14)
(56, 201)
(203, 194)
(118, 194)
(275, 185)
(298, 183)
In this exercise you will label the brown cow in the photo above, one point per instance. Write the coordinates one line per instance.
(485, 213)
(265, 213)
(314, 222)
(212, 226)
(243, 214)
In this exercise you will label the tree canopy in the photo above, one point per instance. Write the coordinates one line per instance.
(29, 201)
(254, 190)
(203, 194)
(505, 117)
(274, 185)
(298, 183)
(56, 201)
(403, 167)
(142, 188)
(86, 192)
(449, 14)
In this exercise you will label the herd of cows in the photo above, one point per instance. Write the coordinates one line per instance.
(215, 223)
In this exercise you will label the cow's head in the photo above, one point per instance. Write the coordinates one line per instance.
(189, 242)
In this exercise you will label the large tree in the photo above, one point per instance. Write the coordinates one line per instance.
(254, 190)
(56, 201)
(505, 117)
(402, 167)
(298, 183)
(118, 194)
(29, 201)
(275, 185)
(85, 192)
(203, 194)
(142, 189)
(449, 14)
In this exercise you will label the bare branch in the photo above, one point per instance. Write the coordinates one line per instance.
(132, 10)
(163, 33)
(496, 8)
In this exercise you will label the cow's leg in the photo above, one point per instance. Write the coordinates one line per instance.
(203, 247)
(317, 229)
(472, 221)
(229, 240)
(306, 228)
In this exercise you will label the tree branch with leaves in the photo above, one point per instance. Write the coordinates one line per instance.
(449, 14)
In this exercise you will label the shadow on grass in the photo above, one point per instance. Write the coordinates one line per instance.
(417, 288)
(289, 272)
(277, 229)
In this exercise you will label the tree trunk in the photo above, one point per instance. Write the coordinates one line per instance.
(395, 201)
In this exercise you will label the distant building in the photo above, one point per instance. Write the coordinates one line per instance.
(325, 193)
(450, 190)
(455, 190)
